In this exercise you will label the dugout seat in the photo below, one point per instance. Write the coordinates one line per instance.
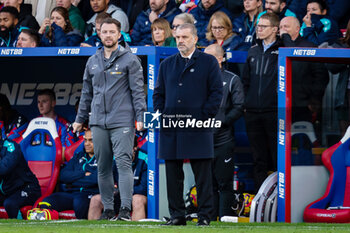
(42, 149)
(334, 205)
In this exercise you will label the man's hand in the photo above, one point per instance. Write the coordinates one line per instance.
(152, 16)
(139, 126)
(87, 173)
(77, 127)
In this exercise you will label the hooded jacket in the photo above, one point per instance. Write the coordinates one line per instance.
(73, 174)
(323, 29)
(260, 78)
(231, 107)
(202, 17)
(141, 33)
(112, 91)
(14, 170)
(60, 38)
(26, 19)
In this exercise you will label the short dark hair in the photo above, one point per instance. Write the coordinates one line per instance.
(48, 92)
(101, 16)
(32, 34)
(111, 21)
(272, 17)
(11, 10)
(4, 102)
(322, 3)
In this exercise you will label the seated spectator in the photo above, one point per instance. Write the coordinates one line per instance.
(141, 33)
(28, 38)
(244, 25)
(9, 27)
(139, 198)
(46, 107)
(58, 30)
(79, 179)
(310, 79)
(41, 8)
(342, 90)
(75, 17)
(19, 186)
(94, 40)
(160, 31)
(178, 20)
(202, 14)
(219, 31)
(12, 123)
(279, 7)
(117, 13)
(25, 18)
(133, 8)
(318, 27)
(187, 5)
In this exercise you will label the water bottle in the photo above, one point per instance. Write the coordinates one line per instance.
(235, 179)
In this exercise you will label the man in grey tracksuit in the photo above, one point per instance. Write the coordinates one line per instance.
(113, 95)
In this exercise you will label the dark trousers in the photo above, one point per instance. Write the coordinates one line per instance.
(175, 185)
(223, 169)
(262, 134)
(77, 201)
(22, 197)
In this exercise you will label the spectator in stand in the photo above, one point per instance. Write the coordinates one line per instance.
(178, 20)
(231, 109)
(117, 13)
(74, 15)
(202, 14)
(141, 34)
(9, 27)
(279, 7)
(133, 8)
(318, 27)
(309, 80)
(244, 25)
(41, 8)
(19, 186)
(85, 8)
(28, 38)
(25, 18)
(187, 5)
(95, 40)
(139, 198)
(342, 91)
(219, 31)
(58, 30)
(46, 107)
(79, 179)
(160, 29)
(260, 82)
(12, 123)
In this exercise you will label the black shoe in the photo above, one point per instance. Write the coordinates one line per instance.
(107, 215)
(175, 222)
(124, 214)
(202, 222)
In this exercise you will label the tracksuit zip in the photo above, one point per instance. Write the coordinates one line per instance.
(260, 79)
(104, 98)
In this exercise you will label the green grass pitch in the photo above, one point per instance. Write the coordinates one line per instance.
(21, 226)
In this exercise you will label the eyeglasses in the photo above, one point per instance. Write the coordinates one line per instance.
(263, 27)
(174, 27)
(219, 28)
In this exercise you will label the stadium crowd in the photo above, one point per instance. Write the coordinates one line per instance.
(257, 26)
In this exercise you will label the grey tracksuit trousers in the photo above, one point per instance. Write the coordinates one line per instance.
(118, 142)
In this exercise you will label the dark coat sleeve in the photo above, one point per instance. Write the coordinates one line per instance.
(72, 171)
(237, 100)
(141, 187)
(11, 155)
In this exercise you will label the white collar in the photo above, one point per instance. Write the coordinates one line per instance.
(189, 56)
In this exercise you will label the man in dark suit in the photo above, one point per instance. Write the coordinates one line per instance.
(188, 92)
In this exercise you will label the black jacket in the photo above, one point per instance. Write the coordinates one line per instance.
(14, 171)
(260, 78)
(26, 19)
(231, 107)
(309, 79)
